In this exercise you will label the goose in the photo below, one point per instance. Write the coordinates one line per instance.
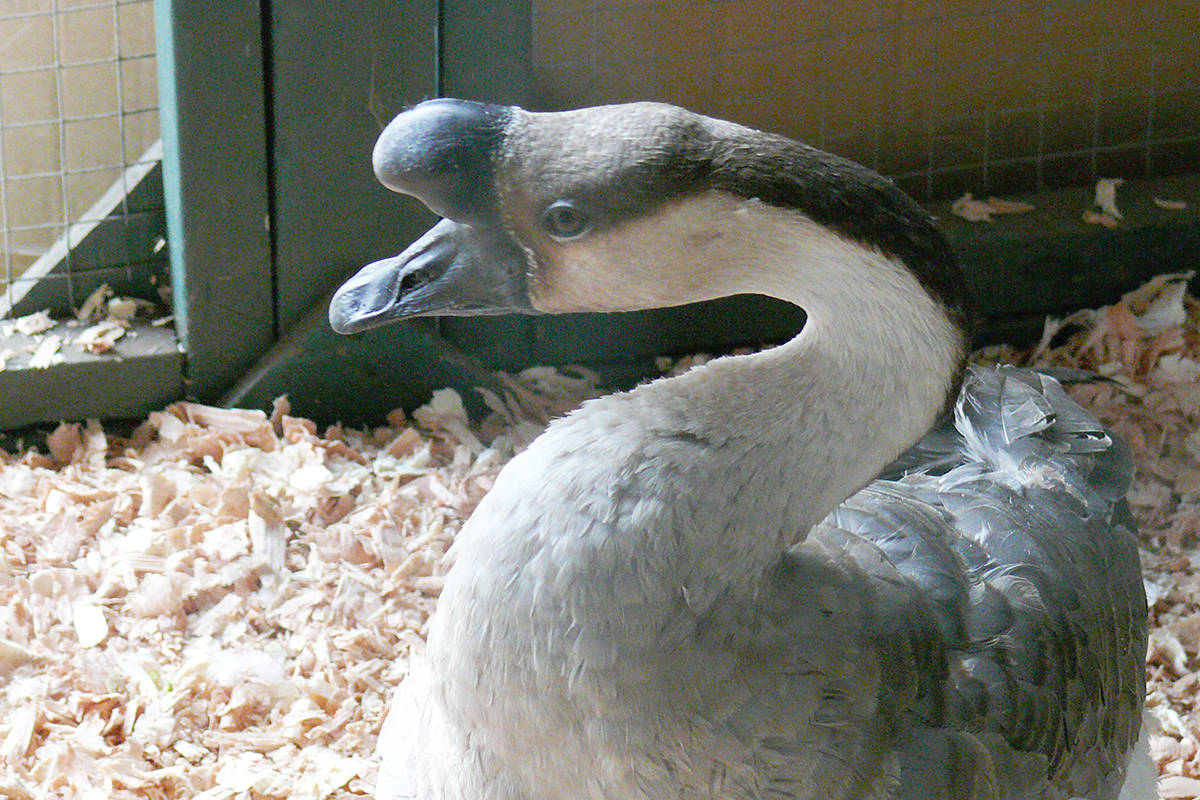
(848, 566)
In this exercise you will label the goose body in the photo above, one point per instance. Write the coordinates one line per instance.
(844, 567)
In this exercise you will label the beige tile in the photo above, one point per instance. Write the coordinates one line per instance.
(851, 16)
(1123, 121)
(92, 143)
(1068, 126)
(766, 23)
(89, 90)
(622, 83)
(1015, 35)
(33, 149)
(29, 244)
(1073, 26)
(26, 42)
(1177, 114)
(909, 11)
(958, 141)
(29, 96)
(34, 202)
(851, 107)
(561, 38)
(18, 7)
(687, 82)
(962, 40)
(801, 68)
(1013, 135)
(664, 31)
(1016, 83)
(87, 35)
(749, 72)
(960, 89)
(1177, 65)
(1126, 70)
(1070, 75)
(853, 56)
(141, 131)
(139, 83)
(136, 22)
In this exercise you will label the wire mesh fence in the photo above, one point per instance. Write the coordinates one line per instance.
(78, 110)
(943, 95)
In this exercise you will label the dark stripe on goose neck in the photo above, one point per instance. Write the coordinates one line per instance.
(856, 202)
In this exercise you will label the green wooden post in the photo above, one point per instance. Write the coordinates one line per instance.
(210, 71)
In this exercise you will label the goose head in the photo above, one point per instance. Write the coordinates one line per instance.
(625, 207)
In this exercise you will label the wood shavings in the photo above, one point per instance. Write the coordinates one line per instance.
(1106, 196)
(1093, 217)
(101, 337)
(123, 308)
(47, 352)
(1159, 303)
(1171, 205)
(13, 655)
(219, 605)
(90, 626)
(974, 210)
(95, 304)
(28, 325)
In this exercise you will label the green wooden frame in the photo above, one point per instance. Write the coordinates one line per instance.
(215, 183)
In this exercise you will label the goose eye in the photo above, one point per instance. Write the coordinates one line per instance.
(563, 221)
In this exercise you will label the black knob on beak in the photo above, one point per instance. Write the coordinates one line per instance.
(442, 153)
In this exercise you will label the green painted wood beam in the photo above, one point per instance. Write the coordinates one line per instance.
(1022, 267)
(213, 119)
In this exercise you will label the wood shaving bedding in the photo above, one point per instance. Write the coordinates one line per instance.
(1106, 196)
(219, 605)
(973, 210)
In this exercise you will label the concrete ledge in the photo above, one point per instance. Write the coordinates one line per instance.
(143, 372)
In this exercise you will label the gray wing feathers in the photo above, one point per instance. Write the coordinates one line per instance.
(1010, 525)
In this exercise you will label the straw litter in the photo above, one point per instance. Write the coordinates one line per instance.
(219, 604)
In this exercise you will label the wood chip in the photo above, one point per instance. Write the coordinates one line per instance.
(1106, 196)
(95, 304)
(1092, 217)
(47, 352)
(101, 337)
(974, 210)
(29, 325)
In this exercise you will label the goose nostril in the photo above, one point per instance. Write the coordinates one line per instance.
(416, 278)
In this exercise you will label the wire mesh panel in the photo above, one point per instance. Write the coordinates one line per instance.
(78, 124)
(944, 95)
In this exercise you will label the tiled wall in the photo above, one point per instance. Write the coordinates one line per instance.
(990, 96)
(78, 103)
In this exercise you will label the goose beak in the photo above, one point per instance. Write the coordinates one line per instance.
(453, 270)
(440, 152)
